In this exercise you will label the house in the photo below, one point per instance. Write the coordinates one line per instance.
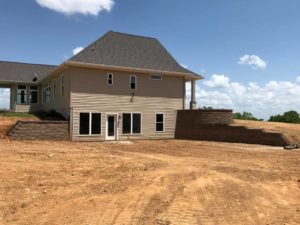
(120, 87)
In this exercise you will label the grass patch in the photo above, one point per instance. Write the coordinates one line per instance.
(16, 114)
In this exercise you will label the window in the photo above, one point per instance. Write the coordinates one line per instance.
(89, 123)
(159, 122)
(133, 81)
(110, 79)
(131, 123)
(54, 89)
(33, 97)
(46, 92)
(62, 85)
(22, 94)
(155, 77)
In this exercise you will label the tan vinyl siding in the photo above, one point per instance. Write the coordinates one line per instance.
(91, 93)
(107, 104)
(61, 103)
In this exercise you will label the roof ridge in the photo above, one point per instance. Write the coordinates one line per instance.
(36, 64)
(134, 35)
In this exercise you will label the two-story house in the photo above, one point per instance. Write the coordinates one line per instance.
(120, 87)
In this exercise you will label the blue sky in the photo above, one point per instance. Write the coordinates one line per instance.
(209, 37)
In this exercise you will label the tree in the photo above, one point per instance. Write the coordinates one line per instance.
(245, 116)
(287, 117)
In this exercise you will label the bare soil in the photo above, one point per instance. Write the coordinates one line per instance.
(291, 131)
(147, 182)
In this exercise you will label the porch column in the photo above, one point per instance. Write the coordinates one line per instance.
(193, 102)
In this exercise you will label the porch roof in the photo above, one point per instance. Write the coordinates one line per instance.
(12, 72)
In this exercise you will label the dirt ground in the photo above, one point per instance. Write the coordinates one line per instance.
(291, 131)
(147, 182)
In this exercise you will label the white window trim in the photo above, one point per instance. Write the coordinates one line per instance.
(112, 79)
(135, 82)
(37, 90)
(27, 97)
(156, 79)
(90, 125)
(164, 122)
(131, 125)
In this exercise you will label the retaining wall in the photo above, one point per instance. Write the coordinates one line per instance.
(40, 130)
(215, 125)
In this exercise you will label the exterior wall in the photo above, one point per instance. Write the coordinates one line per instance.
(91, 93)
(61, 104)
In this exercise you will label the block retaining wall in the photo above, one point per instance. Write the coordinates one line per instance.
(40, 130)
(215, 125)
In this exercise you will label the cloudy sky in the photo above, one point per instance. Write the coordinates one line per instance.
(248, 51)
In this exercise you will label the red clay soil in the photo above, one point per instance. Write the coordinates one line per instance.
(147, 182)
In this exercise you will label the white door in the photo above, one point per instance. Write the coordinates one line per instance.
(111, 127)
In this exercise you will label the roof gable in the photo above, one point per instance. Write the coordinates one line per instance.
(126, 50)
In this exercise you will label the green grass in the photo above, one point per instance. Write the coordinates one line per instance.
(15, 114)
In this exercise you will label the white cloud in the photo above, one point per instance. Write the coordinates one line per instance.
(71, 7)
(4, 98)
(253, 60)
(217, 81)
(77, 50)
(184, 66)
(298, 79)
(262, 100)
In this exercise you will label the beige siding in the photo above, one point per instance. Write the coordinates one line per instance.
(91, 93)
(61, 103)
(112, 104)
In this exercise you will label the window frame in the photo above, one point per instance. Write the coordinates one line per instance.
(26, 94)
(62, 80)
(131, 123)
(155, 122)
(54, 89)
(108, 79)
(135, 76)
(37, 94)
(151, 77)
(90, 125)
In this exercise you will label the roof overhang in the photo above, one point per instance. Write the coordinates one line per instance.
(187, 76)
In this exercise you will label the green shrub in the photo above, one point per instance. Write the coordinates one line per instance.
(245, 116)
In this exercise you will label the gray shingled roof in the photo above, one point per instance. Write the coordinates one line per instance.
(126, 50)
(23, 72)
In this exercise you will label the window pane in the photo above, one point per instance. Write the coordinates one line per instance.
(136, 126)
(33, 97)
(21, 86)
(126, 123)
(96, 123)
(159, 127)
(159, 118)
(155, 77)
(84, 126)
(132, 86)
(33, 87)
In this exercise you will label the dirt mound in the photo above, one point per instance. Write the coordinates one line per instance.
(291, 131)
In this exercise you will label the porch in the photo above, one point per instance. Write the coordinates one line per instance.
(22, 97)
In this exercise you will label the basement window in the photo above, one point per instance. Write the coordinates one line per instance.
(132, 123)
(159, 122)
(90, 123)
(22, 94)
